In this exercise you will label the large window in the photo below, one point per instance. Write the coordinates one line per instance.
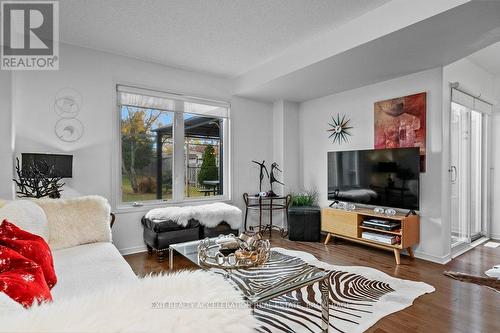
(147, 154)
(173, 147)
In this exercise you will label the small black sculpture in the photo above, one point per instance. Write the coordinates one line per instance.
(272, 179)
(262, 169)
(38, 180)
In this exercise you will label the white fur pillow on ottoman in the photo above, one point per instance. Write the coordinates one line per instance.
(187, 302)
(77, 221)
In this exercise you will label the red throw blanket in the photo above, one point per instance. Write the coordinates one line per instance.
(26, 266)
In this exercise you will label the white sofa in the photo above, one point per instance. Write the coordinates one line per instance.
(97, 291)
(90, 267)
(82, 265)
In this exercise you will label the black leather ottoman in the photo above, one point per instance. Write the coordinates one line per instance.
(158, 235)
(221, 229)
(304, 224)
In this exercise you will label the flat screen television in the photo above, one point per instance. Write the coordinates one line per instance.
(381, 177)
(63, 164)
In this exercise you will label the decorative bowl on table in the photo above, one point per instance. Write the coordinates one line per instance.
(231, 252)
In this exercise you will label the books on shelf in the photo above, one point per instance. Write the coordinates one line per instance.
(381, 238)
(381, 224)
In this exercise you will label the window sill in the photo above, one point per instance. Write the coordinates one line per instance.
(147, 206)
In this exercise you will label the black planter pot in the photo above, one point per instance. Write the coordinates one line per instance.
(304, 223)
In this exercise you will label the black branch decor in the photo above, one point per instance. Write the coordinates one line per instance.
(339, 129)
(38, 180)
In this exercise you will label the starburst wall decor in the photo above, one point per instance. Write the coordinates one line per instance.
(340, 129)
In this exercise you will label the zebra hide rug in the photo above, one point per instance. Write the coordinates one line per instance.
(359, 297)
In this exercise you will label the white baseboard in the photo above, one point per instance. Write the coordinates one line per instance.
(132, 250)
(430, 257)
(495, 236)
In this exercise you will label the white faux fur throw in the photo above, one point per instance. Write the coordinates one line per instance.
(494, 272)
(186, 302)
(77, 221)
(208, 215)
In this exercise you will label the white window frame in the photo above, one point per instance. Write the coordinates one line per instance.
(178, 167)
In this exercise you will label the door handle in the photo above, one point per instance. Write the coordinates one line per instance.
(453, 171)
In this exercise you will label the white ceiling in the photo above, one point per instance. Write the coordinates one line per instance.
(488, 58)
(436, 41)
(222, 37)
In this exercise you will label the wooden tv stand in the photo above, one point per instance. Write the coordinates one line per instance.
(347, 225)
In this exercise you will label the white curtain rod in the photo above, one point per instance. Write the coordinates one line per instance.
(460, 87)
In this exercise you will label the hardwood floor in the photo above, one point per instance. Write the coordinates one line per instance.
(454, 307)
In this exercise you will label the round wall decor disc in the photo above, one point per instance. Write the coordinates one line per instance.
(69, 130)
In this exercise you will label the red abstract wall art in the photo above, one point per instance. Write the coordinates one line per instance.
(400, 123)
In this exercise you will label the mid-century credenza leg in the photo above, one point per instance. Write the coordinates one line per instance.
(410, 253)
(397, 256)
(328, 236)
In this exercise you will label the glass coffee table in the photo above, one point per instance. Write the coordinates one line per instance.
(279, 275)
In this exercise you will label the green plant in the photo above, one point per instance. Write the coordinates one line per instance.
(308, 198)
(208, 169)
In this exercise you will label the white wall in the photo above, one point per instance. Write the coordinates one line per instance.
(252, 140)
(286, 142)
(472, 76)
(6, 141)
(278, 134)
(291, 148)
(94, 75)
(358, 105)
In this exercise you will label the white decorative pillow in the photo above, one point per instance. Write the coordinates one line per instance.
(77, 221)
(26, 215)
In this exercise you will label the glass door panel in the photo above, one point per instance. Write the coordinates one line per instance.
(459, 169)
(476, 174)
(467, 174)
